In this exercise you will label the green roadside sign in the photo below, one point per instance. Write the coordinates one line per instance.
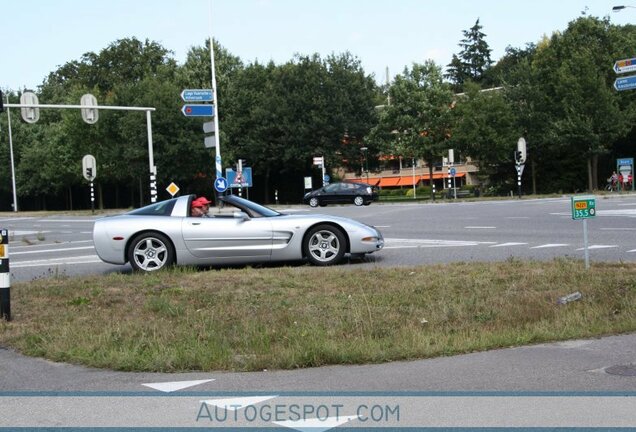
(583, 207)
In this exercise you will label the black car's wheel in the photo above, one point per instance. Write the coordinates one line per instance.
(367, 203)
(150, 251)
(314, 202)
(358, 200)
(324, 245)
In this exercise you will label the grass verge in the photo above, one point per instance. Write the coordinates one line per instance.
(269, 318)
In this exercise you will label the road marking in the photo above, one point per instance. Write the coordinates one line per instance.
(618, 229)
(508, 244)
(397, 243)
(18, 219)
(52, 250)
(13, 248)
(316, 424)
(23, 233)
(86, 259)
(382, 226)
(599, 247)
(66, 220)
(169, 387)
(550, 245)
(517, 217)
(480, 227)
(633, 250)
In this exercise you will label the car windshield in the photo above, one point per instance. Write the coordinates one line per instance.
(250, 207)
(163, 208)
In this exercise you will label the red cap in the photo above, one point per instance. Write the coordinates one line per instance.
(200, 202)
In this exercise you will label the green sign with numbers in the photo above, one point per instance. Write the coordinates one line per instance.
(583, 207)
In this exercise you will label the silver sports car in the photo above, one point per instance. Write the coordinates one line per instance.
(238, 231)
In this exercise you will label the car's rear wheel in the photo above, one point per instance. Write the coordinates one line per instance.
(314, 202)
(358, 200)
(324, 245)
(150, 252)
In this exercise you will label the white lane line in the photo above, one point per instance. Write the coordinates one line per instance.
(633, 250)
(382, 226)
(480, 227)
(86, 259)
(599, 247)
(61, 244)
(16, 219)
(397, 243)
(508, 244)
(517, 217)
(550, 245)
(23, 233)
(66, 220)
(52, 250)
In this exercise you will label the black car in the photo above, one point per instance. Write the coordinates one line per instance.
(357, 193)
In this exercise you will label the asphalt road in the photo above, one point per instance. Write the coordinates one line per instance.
(585, 383)
(415, 234)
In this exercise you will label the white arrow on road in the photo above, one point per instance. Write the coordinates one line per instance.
(169, 387)
(316, 424)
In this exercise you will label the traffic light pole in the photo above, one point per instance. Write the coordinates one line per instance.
(148, 110)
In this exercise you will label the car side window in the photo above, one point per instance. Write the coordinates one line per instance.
(332, 187)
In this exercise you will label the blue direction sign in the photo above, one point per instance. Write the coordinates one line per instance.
(623, 66)
(626, 83)
(197, 95)
(220, 184)
(453, 172)
(198, 110)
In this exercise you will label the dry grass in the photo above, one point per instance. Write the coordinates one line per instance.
(251, 319)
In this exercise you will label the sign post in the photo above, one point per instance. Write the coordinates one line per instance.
(584, 207)
(89, 170)
(625, 169)
(5, 276)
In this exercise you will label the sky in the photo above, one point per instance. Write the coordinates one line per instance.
(40, 35)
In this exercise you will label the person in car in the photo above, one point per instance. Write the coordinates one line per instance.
(200, 207)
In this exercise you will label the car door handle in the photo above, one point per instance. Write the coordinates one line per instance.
(196, 223)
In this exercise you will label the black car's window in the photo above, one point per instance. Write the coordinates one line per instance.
(163, 208)
(332, 187)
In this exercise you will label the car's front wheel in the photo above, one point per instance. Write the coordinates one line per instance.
(324, 245)
(150, 251)
(358, 201)
(314, 202)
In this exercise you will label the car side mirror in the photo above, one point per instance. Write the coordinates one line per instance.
(241, 215)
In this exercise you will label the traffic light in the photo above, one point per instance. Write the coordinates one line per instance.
(518, 156)
(89, 172)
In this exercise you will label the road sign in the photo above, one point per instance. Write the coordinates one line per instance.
(198, 110)
(583, 207)
(625, 83)
(220, 184)
(197, 95)
(520, 168)
(209, 142)
(453, 171)
(89, 114)
(89, 163)
(173, 189)
(326, 178)
(29, 115)
(208, 127)
(244, 181)
(319, 160)
(623, 66)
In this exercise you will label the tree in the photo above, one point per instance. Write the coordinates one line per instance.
(418, 123)
(473, 60)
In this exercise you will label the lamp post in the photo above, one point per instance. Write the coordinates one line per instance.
(366, 160)
(620, 8)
